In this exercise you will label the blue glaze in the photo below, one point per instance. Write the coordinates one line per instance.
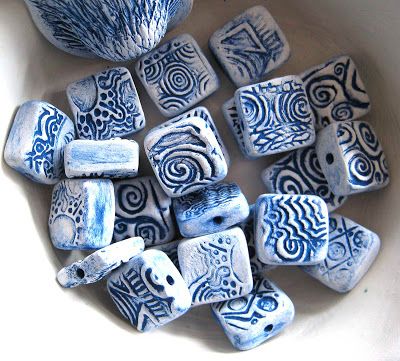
(149, 291)
(82, 214)
(106, 105)
(177, 75)
(291, 229)
(115, 158)
(253, 319)
(276, 116)
(171, 250)
(352, 158)
(211, 209)
(300, 173)
(116, 30)
(336, 91)
(216, 267)
(35, 145)
(185, 156)
(143, 209)
(352, 250)
(250, 46)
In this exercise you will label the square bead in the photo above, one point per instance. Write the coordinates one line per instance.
(82, 214)
(185, 156)
(149, 291)
(143, 209)
(253, 319)
(35, 145)
(300, 173)
(211, 209)
(352, 250)
(114, 158)
(177, 75)
(106, 105)
(250, 46)
(352, 158)
(216, 267)
(336, 91)
(276, 116)
(291, 229)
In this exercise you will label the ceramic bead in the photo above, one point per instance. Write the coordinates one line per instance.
(253, 319)
(177, 75)
(352, 250)
(185, 157)
(82, 214)
(106, 105)
(143, 209)
(114, 158)
(35, 145)
(276, 116)
(291, 229)
(171, 250)
(216, 267)
(211, 209)
(250, 46)
(100, 263)
(336, 91)
(300, 173)
(149, 291)
(352, 158)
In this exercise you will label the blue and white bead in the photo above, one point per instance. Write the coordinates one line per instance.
(100, 263)
(250, 320)
(211, 209)
(276, 116)
(149, 291)
(216, 267)
(352, 158)
(352, 250)
(143, 209)
(300, 173)
(291, 229)
(82, 214)
(171, 250)
(250, 46)
(177, 75)
(114, 158)
(35, 144)
(185, 157)
(336, 91)
(106, 105)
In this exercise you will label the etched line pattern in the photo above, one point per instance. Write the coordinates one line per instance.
(336, 92)
(363, 154)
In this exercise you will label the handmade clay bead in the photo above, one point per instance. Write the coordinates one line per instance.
(171, 250)
(300, 173)
(247, 227)
(253, 319)
(336, 91)
(82, 214)
(250, 46)
(203, 113)
(211, 209)
(276, 116)
(35, 145)
(352, 250)
(216, 267)
(114, 158)
(185, 157)
(100, 263)
(177, 75)
(291, 229)
(106, 105)
(116, 31)
(143, 209)
(149, 291)
(352, 158)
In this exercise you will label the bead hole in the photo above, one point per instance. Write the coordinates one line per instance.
(268, 328)
(80, 273)
(218, 220)
(329, 158)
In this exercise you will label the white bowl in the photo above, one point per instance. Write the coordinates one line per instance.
(39, 319)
